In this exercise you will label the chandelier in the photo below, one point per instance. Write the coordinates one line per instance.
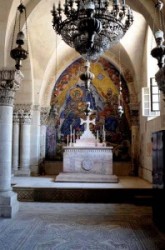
(92, 26)
(19, 53)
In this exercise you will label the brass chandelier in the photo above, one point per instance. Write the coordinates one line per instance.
(92, 26)
(19, 53)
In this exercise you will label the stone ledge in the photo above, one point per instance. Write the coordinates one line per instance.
(80, 177)
(82, 195)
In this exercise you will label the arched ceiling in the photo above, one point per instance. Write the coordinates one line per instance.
(49, 55)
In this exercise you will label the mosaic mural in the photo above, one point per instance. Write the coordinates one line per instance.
(70, 96)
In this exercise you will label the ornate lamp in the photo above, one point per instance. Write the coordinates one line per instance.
(87, 76)
(18, 53)
(120, 107)
(92, 26)
(159, 51)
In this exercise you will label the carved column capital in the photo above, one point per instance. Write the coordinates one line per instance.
(22, 108)
(44, 115)
(15, 117)
(10, 81)
(24, 112)
(26, 117)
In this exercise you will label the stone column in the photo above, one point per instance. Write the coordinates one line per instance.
(35, 140)
(9, 82)
(15, 148)
(134, 140)
(25, 120)
(43, 120)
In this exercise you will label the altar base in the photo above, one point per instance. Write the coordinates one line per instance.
(87, 164)
(86, 178)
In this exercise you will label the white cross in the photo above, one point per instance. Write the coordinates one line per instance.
(87, 122)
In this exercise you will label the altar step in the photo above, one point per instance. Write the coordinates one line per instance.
(84, 195)
(129, 189)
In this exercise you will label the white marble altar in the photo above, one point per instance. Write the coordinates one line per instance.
(96, 160)
(86, 159)
(83, 164)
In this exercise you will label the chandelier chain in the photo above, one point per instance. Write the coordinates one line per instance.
(26, 27)
(12, 41)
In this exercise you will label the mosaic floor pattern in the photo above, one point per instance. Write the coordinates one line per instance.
(62, 226)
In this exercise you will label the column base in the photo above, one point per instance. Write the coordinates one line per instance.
(22, 172)
(9, 204)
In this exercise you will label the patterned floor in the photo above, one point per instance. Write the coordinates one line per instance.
(62, 226)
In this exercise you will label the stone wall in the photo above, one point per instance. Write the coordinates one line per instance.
(147, 128)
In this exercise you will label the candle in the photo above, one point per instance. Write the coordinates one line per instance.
(70, 141)
(67, 140)
(97, 134)
(104, 136)
(73, 135)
